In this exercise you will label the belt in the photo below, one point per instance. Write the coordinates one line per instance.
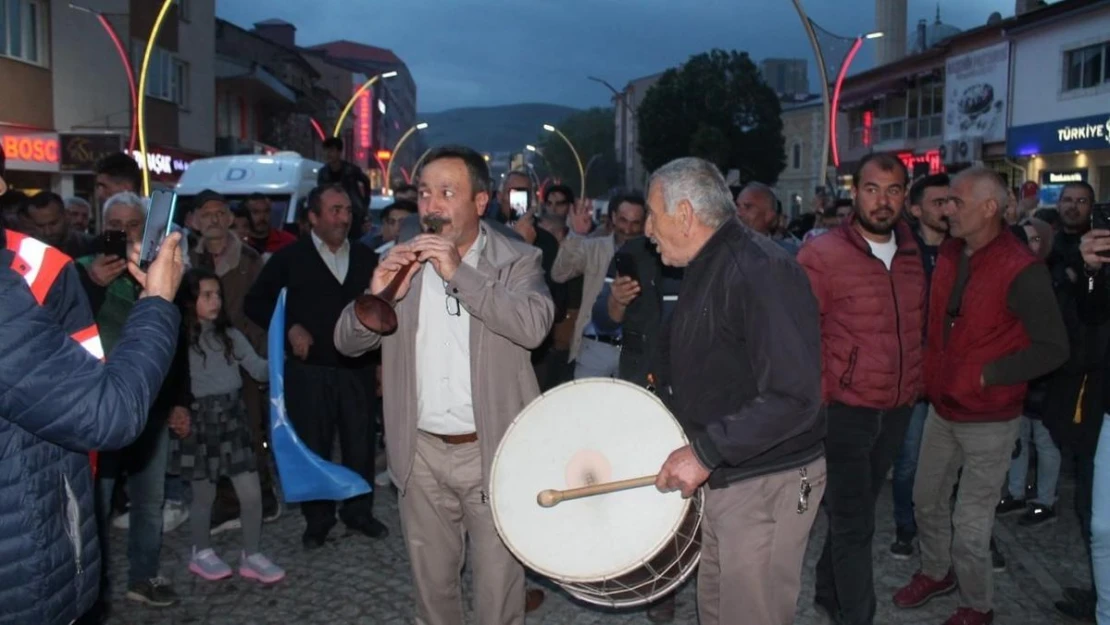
(455, 439)
(603, 338)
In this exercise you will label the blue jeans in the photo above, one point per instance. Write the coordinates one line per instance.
(905, 469)
(1048, 463)
(146, 480)
(1100, 523)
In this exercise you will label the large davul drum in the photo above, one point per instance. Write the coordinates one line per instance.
(619, 549)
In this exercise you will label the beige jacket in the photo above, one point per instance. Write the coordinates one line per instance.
(511, 313)
(588, 257)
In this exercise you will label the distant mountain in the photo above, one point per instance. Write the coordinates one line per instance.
(492, 129)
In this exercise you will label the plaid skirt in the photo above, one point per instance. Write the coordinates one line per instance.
(219, 441)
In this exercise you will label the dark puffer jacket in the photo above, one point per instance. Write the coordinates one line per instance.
(57, 402)
(871, 319)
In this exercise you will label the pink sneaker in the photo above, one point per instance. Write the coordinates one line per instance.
(259, 567)
(208, 565)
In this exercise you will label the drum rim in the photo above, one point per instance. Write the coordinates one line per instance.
(686, 503)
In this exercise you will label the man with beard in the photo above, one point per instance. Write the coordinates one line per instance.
(45, 213)
(349, 176)
(870, 284)
(264, 238)
(596, 352)
(993, 326)
(928, 196)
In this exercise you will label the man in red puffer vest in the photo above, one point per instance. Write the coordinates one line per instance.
(993, 325)
(870, 285)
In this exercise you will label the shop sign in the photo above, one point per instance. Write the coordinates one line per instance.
(976, 86)
(1052, 184)
(162, 164)
(81, 152)
(30, 151)
(1081, 133)
(915, 162)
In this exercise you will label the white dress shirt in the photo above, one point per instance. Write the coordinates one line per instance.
(336, 261)
(445, 404)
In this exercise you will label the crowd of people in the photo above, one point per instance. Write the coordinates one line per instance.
(938, 330)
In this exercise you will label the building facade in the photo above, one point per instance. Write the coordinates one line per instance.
(1060, 120)
(787, 77)
(385, 112)
(268, 98)
(70, 67)
(803, 129)
(626, 130)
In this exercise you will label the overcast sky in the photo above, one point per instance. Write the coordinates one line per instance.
(485, 52)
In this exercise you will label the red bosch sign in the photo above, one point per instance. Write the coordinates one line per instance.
(30, 150)
(41, 149)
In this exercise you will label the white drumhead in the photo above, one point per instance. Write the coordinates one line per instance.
(611, 430)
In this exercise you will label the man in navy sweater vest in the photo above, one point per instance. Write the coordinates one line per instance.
(324, 390)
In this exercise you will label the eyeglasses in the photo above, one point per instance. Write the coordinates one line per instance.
(452, 303)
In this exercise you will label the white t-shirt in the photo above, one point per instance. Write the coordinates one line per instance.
(884, 251)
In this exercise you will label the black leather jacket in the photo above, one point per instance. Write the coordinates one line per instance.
(742, 370)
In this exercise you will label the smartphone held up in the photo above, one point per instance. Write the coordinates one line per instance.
(1100, 220)
(159, 218)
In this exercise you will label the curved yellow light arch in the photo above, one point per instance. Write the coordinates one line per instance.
(166, 4)
(354, 98)
(397, 148)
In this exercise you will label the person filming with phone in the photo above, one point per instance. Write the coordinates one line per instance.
(597, 353)
(59, 399)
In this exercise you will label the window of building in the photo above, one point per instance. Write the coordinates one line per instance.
(797, 156)
(167, 77)
(890, 123)
(926, 111)
(183, 9)
(1087, 67)
(23, 33)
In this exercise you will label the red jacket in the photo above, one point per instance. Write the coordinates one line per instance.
(984, 330)
(871, 319)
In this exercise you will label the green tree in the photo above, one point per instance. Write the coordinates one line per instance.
(716, 107)
(593, 134)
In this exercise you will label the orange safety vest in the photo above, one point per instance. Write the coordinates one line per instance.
(40, 265)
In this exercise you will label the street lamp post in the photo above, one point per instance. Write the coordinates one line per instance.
(141, 121)
(397, 150)
(626, 116)
(840, 76)
(351, 103)
(125, 59)
(420, 161)
(581, 169)
(826, 97)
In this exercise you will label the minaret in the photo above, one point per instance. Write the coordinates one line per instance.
(890, 18)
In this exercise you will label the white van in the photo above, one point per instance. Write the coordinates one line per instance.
(286, 178)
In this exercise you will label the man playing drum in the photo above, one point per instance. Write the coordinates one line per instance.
(741, 373)
(455, 374)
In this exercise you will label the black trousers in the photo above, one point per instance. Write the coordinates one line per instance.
(859, 449)
(322, 401)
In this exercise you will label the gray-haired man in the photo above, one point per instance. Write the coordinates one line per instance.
(740, 368)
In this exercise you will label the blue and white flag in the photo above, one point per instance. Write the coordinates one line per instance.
(304, 475)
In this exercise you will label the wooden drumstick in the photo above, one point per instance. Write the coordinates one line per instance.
(550, 497)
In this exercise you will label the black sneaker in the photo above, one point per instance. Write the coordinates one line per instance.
(998, 562)
(1037, 515)
(155, 592)
(271, 507)
(1009, 505)
(902, 548)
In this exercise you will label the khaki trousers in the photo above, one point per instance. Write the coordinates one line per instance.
(960, 540)
(442, 505)
(753, 542)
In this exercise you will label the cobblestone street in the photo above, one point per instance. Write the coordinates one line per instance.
(356, 580)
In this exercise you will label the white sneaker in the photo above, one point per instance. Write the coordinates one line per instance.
(174, 514)
(122, 522)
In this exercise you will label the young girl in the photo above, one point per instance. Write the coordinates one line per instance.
(218, 442)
